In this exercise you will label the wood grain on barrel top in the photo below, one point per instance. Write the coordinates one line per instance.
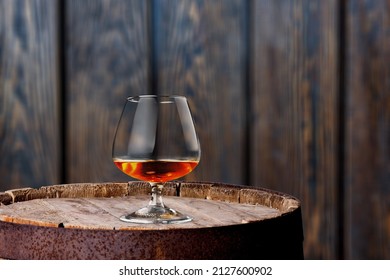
(104, 213)
(81, 221)
(99, 206)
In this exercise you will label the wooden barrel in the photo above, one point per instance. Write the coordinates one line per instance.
(81, 221)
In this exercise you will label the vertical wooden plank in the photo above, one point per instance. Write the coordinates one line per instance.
(200, 52)
(294, 104)
(29, 116)
(107, 60)
(368, 130)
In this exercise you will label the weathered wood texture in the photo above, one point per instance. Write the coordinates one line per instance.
(107, 56)
(294, 111)
(263, 78)
(29, 99)
(367, 174)
(203, 57)
(71, 224)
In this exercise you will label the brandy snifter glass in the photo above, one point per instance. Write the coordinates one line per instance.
(156, 141)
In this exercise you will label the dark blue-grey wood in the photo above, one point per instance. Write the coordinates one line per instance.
(201, 53)
(107, 56)
(29, 94)
(367, 181)
(294, 112)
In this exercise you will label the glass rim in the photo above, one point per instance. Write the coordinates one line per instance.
(136, 98)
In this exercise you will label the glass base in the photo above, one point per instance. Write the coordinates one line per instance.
(156, 215)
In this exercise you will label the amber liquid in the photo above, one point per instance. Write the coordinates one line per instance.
(156, 171)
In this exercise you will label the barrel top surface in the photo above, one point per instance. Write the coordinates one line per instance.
(81, 221)
(99, 206)
(104, 213)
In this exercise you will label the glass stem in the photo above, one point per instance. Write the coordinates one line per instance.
(156, 198)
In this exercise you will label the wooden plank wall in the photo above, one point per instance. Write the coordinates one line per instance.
(106, 56)
(294, 111)
(288, 95)
(367, 162)
(29, 94)
(203, 57)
